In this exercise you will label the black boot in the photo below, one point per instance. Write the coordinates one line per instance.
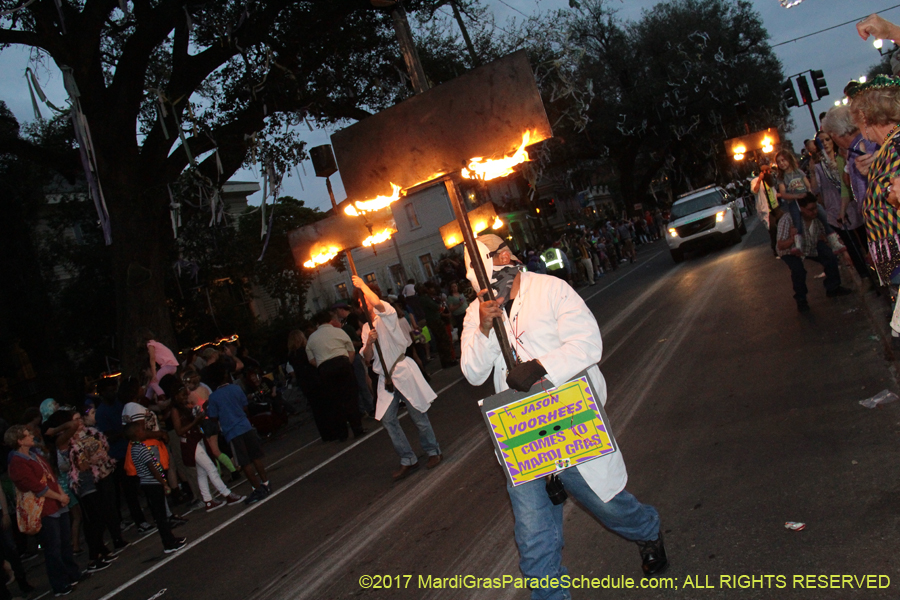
(653, 556)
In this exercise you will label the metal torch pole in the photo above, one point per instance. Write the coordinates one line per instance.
(388, 385)
(469, 238)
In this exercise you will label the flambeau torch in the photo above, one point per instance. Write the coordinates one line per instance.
(344, 234)
(424, 140)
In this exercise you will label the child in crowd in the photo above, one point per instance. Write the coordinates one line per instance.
(794, 185)
(150, 463)
(187, 421)
(162, 361)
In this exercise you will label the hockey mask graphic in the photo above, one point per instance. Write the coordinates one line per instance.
(501, 277)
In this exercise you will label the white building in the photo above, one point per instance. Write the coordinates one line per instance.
(417, 244)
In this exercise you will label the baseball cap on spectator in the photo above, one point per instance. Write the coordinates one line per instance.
(48, 407)
(133, 412)
(343, 305)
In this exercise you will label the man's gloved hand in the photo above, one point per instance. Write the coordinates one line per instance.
(522, 377)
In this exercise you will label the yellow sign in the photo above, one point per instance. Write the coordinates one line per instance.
(549, 431)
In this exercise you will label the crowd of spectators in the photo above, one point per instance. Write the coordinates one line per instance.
(835, 202)
(160, 442)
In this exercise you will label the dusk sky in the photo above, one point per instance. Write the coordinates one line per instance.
(840, 53)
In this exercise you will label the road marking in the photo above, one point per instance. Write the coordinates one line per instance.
(606, 287)
(235, 518)
(321, 565)
(253, 507)
(651, 367)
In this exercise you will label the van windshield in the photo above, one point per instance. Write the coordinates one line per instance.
(689, 207)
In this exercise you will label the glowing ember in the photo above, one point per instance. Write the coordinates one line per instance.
(322, 257)
(487, 169)
(364, 206)
(382, 236)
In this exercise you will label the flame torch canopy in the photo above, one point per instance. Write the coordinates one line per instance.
(481, 218)
(483, 113)
(764, 140)
(317, 243)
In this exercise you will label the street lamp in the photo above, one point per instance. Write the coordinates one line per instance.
(879, 45)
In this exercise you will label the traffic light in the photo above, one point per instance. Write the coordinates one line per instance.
(818, 78)
(788, 95)
(805, 94)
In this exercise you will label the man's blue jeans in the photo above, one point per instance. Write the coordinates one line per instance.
(426, 434)
(798, 272)
(539, 525)
(56, 540)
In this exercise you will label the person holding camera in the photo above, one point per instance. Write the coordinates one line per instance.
(767, 205)
(555, 336)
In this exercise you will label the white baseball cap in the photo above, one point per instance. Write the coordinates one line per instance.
(133, 412)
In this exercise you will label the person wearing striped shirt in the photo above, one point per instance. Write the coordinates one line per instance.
(147, 461)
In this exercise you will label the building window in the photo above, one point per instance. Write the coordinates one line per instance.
(427, 266)
(370, 279)
(341, 289)
(397, 276)
(411, 216)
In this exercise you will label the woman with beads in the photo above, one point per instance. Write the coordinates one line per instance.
(875, 109)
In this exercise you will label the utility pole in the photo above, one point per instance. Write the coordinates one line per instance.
(413, 67)
(465, 34)
(407, 45)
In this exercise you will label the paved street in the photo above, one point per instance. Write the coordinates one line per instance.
(734, 414)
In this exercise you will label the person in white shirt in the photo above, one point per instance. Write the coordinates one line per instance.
(558, 337)
(330, 350)
(409, 289)
(407, 380)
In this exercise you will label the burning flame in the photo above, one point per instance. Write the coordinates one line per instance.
(322, 257)
(487, 169)
(382, 236)
(497, 223)
(364, 206)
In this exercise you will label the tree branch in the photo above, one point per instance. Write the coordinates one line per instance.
(23, 38)
(67, 164)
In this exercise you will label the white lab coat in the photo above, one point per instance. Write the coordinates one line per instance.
(406, 377)
(549, 322)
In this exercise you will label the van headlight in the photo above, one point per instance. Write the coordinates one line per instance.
(673, 232)
(720, 216)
